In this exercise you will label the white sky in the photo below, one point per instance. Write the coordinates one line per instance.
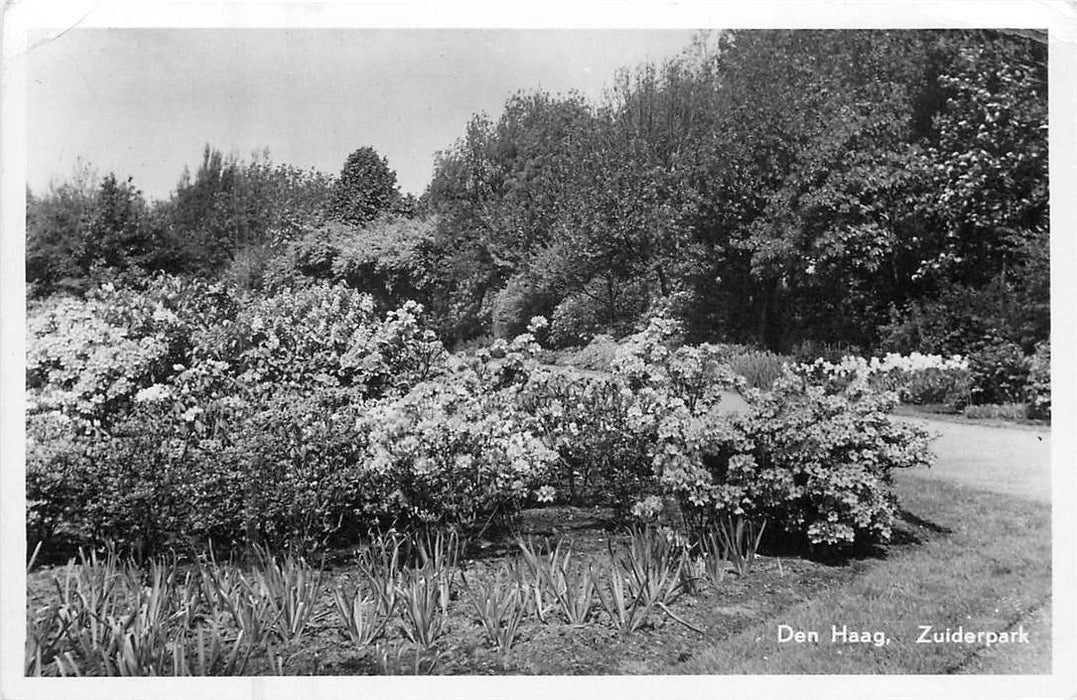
(143, 102)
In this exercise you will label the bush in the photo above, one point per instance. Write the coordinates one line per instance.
(599, 430)
(999, 371)
(516, 304)
(1006, 411)
(87, 358)
(308, 418)
(596, 356)
(575, 320)
(305, 419)
(932, 385)
(760, 368)
(327, 336)
(813, 461)
(962, 316)
(915, 378)
(55, 456)
(450, 452)
(149, 479)
(83, 364)
(809, 350)
(820, 465)
(247, 270)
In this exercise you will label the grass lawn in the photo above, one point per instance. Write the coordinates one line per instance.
(961, 557)
(984, 564)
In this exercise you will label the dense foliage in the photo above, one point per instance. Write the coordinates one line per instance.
(178, 414)
(299, 416)
(265, 354)
(765, 186)
(885, 189)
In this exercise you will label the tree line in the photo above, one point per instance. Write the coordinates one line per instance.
(877, 188)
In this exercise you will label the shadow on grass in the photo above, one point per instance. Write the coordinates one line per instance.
(916, 520)
(909, 530)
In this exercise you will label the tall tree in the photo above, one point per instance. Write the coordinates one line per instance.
(365, 189)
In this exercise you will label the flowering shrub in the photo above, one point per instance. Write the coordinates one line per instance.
(607, 429)
(81, 364)
(813, 461)
(154, 420)
(694, 375)
(55, 451)
(89, 357)
(449, 452)
(601, 432)
(327, 336)
(915, 378)
(821, 465)
(305, 417)
(759, 368)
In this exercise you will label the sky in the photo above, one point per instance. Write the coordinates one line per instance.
(144, 102)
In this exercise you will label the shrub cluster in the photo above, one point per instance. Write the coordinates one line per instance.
(303, 417)
(306, 416)
(915, 378)
(813, 460)
(999, 371)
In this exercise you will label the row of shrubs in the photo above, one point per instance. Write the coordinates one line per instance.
(307, 418)
(996, 372)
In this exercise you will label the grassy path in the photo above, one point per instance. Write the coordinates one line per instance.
(1013, 461)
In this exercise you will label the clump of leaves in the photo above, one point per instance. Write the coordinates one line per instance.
(500, 606)
(739, 538)
(570, 584)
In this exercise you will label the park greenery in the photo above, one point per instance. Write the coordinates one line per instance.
(277, 364)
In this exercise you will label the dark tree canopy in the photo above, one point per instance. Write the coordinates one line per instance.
(365, 189)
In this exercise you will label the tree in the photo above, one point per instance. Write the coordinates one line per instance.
(85, 226)
(116, 236)
(56, 222)
(365, 189)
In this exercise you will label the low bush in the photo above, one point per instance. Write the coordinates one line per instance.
(914, 378)
(821, 466)
(999, 371)
(597, 428)
(1005, 411)
(812, 460)
(449, 453)
(760, 368)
